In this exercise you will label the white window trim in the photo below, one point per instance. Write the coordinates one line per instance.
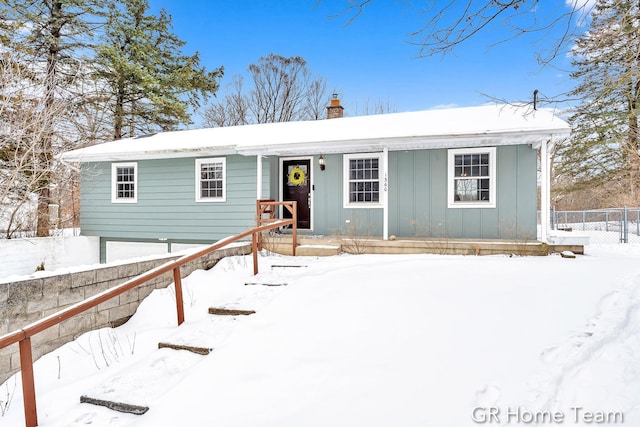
(114, 175)
(492, 178)
(199, 163)
(345, 178)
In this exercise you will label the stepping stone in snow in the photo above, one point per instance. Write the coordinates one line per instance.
(567, 254)
(229, 312)
(288, 266)
(193, 349)
(135, 388)
(264, 284)
(116, 406)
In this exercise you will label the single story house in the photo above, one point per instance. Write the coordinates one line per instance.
(457, 173)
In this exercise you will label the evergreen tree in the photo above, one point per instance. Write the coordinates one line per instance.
(603, 151)
(152, 84)
(59, 88)
(48, 37)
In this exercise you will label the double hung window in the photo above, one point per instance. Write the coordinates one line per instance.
(362, 178)
(471, 178)
(210, 180)
(124, 182)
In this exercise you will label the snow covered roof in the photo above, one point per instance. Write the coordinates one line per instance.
(488, 125)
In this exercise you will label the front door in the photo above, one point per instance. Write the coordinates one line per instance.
(297, 187)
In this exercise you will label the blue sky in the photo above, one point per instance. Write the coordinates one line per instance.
(371, 60)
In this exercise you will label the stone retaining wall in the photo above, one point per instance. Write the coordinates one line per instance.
(26, 301)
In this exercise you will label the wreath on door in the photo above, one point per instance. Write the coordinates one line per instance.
(297, 176)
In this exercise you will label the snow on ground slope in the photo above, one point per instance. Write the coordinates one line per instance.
(421, 340)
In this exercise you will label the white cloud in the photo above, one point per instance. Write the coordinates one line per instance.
(443, 106)
(579, 4)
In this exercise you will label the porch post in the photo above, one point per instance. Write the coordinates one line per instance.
(385, 193)
(545, 195)
(259, 177)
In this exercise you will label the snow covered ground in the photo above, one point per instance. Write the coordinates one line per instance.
(368, 340)
(602, 232)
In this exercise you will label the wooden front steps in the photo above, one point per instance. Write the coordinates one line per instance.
(131, 389)
(306, 246)
(318, 250)
(332, 245)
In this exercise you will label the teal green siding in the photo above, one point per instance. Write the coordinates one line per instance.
(166, 207)
(330, 217)
(418, 199)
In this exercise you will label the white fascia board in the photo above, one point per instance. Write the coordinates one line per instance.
(81, 156)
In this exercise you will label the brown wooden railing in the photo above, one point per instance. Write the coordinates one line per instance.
(266, 213)
(23, 336)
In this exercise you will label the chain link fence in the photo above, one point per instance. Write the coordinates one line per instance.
(614, 225)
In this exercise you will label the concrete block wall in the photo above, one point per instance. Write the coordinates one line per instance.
(26, 301)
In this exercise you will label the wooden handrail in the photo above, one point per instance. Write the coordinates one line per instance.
(23, 336)
(268, 207)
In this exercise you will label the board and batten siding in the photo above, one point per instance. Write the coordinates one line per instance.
(330, 216)
(418, 199)
(166, 206)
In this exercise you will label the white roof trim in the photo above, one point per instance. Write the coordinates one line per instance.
(429, 129)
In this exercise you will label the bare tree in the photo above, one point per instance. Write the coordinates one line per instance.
(232, 111)
(279, 88)
(25, 117)
(375, 107)
(49, 35)
(90, 120)
(282, 90)
(447, 24)
(316, 99)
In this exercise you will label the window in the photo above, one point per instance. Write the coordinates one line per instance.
(124, 180)
(472, 180)
(362, 180)
(210, 180)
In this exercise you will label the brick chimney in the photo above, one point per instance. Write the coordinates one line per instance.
(335, 110)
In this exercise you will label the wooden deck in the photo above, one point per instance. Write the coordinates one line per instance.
(332, 245)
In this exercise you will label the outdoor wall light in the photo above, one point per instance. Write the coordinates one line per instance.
(321, 162)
